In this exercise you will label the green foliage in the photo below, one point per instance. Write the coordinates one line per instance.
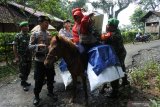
(78, 3)
(5, 48)
(142, 76)
(54, 33)
(6, 71)
(158, 81)
(136, 19)
(138, 78)
(53, 7)
(128, 36)
(149, 4)
(68, 6)
(154, 103)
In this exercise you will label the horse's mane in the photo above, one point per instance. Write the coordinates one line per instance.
(68, 44)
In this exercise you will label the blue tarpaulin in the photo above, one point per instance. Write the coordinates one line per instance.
(63, 65)
(101, 57)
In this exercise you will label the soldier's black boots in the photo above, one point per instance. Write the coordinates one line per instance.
(53, 96)
(36, 100)
(25, 85)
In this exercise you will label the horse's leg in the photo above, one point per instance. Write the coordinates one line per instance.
(85, 88)
(72, 100)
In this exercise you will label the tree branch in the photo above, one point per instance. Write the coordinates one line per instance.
(121, 7)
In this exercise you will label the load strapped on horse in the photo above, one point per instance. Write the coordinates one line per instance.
(102, 66)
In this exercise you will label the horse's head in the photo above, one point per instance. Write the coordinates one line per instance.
(54, 52)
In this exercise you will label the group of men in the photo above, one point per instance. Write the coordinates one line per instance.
(26, 46)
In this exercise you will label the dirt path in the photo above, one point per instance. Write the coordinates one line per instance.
(12, 95)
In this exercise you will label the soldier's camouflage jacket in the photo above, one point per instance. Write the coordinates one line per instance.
(21, 41)
(116, 41)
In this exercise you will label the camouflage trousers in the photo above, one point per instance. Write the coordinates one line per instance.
(24, 68)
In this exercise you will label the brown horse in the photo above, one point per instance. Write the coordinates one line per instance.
(63, 48)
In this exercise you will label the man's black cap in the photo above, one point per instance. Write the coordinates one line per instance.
(44, 18)
(65, 21)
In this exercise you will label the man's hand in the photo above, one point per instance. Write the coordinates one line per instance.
(41, 45)
(83, 10)
(91, 14)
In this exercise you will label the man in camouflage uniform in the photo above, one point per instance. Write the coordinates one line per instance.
(114, 38)
(39, 43)
(23, 54)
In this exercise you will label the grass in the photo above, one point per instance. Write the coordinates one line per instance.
(155, 103)
(7, 71)
(147, 79)
(145, 76)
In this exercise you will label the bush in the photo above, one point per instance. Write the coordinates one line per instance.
(5, 47)
(54, 33)
(7, 71)
(128, 36)
(147, 76)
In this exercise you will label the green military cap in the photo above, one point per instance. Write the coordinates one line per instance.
(113, 22)
(24, 23)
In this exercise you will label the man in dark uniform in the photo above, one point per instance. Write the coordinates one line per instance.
(114, 38)
(39, 42)
(23, 54)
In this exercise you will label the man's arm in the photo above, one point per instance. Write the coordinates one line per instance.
(15, 49)
(33, 42)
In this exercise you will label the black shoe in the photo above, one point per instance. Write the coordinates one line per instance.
(27, 84)
(36, 101)
(24, 83)
(53, 96)
(25, 88)
(113, 94)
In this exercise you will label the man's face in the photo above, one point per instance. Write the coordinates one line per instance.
(25, 28)
(77, 19)
(110, 28)
(67, 25)
(44, 25)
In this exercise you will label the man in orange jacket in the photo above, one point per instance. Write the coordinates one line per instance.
(77, 15)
